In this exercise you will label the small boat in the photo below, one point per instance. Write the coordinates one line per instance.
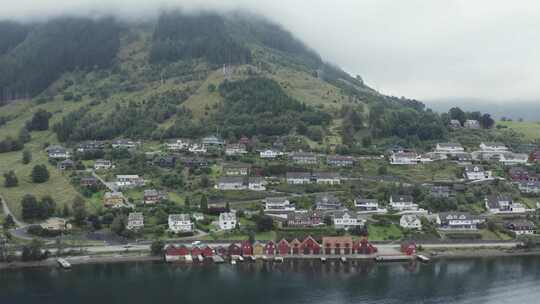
(233, 262)
(323, 259)
(240, 258)
(278, 259)
(200, 258)
(422, 258)
(343, 259)
(253, 258)
(63, 263)
(189, 258)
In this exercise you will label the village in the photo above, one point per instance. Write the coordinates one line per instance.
(211, 189)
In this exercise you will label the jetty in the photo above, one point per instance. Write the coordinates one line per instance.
(218, 259)
(393, 258)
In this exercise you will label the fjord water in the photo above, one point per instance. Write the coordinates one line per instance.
(489, 280)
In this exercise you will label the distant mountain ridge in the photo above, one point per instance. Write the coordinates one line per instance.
(528, 110)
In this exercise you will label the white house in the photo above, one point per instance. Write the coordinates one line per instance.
(58, 152)
(103, 164)
(410, 221)
(365, 205)
(459, 221)
(129, 181)
(511, 159)
(125, 144)
(256, 184)
(347, 220)
(135, 221)
(404, 158)
(298, 178)
(231, 183)
(197, 148)
(327, 178)
(235, 149)
(449, 148)
(180, 223)
(403, 203)
(178, 145)
(471, 124)
(529, 187)
(476, 173)
(227, 221)
(501, 204)
(521, 227)
(278, 204)
(269, 154)
(493, 147)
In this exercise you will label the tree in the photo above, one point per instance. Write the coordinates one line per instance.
(187, 202)
(458, 114)
(40, 121)
(10, 179)
(30, 207)
(26, 157)
(33, 251)
(79, 210)
(119, 223)
(8, 222)
(47, 207)
(227, 207)
(486, 121)
(264, 223)
(40, 174)
(204, 203)
(24, 136)
(157, 247)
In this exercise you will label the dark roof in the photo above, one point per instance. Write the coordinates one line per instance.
(402, 198)
(231, 179)
(298, 175)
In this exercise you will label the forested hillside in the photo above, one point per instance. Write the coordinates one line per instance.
(187, 75)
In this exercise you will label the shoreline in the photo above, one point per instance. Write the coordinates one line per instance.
(122, 258)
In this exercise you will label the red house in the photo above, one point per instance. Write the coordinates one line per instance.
(337, 245)
(207, 251)
(283, 247)
(364, 247)
(173, 253)
(310, 246)
(295, 245)
(196, 251)
(270, 248)
(247, 248)
(408, 248)
(235, 249)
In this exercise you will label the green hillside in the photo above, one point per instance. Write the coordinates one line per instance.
(185, 76)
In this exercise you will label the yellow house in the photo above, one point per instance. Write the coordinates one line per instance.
(258, 249)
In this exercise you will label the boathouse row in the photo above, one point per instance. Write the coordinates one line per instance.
(308, 246)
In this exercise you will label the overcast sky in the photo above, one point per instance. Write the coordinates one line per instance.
(425, 49)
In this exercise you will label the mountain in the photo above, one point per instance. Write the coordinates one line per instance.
(188, 75)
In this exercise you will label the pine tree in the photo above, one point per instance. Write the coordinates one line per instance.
(40, 174)
(204, 203)
(26, 157)
(10, 179)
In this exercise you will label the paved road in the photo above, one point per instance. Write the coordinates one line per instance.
(383, 248)
(5, 207)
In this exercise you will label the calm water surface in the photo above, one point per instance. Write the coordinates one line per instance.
(493, 280)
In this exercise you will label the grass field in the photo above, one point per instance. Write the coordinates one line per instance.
(58, 186)
(383, 233)
(531, 130)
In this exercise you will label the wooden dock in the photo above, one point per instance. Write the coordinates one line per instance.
(394, 258)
